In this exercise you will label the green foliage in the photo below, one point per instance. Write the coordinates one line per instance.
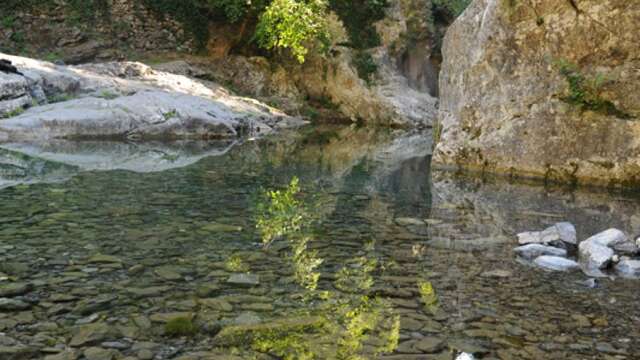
(15, 112)
(295, 25)
(236, 264)
(452, 7)
(60, 98)
(180, 326)
(170, 114)
(428, 296)
(358, 17)
(108, 95)
(365, 66)
(585, 92)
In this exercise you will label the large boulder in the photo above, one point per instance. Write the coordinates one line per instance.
(507, 104)
(125, 100)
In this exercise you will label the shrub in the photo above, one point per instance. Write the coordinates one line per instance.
(180, 326)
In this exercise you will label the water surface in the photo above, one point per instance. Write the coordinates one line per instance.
(130, 236)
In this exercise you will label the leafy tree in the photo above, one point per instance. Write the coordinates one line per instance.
(295, 25)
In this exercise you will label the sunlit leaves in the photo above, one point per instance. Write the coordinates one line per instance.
(295, 25)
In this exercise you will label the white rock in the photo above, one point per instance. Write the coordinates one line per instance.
(608, 238)
(628, 268)
(567, 232)
(556, 263)
(594, 256)
(532, 251)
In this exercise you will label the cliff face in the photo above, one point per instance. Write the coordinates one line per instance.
(543, 88)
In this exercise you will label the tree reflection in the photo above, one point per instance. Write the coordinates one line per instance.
(354, 323)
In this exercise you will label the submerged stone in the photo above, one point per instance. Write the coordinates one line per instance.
(244, 279)
(532, 251)
(13, 305)
(91, 334)
(556, 263)
(15, 289)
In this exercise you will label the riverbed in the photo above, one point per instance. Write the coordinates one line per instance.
(152, 251)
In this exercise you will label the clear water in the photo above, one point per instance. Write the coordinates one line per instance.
(131, 250)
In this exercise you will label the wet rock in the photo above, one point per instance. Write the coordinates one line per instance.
(96, 353)
(608, 238)
(166, 317)
(15, 289)
(168, 273)
(429, 345)
(152, 291)
(628, 268)
(18, 352)
(556, 263)
(216, 304)
(244, 280)
(104, 259)
(559, 234)
(589, 283)
(91, 334)
(532, 251)
(595, 253)
(497, 274)
(13, 305)
(405, 221)
(64, 355)
(626, 248)
(217, 228)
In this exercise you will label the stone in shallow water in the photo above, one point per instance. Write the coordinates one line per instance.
(104, 259)
(628, 268)
(567, 232)
(406, 221)
(556, 263)
(532, 251)
(626, 248)
(217, 228)
(13, 305)
(559, 234)
(91, 334)
(244, 279)
(594, 256)
(429, 345)
(608, 238)
(497, 274)
(15, 289)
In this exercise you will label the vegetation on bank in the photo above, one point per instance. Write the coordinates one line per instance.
(296, 27)
(585, 92)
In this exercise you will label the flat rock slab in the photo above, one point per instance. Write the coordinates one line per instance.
(532, 251)
(556, 263)
(244, 280)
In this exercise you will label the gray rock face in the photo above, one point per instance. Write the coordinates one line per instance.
(556, 263)
(501, 107)
(129, 101)
(532, 251)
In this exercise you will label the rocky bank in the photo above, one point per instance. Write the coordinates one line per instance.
(123, 101)
(544, 88)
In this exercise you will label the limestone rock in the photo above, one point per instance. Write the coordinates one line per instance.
(501, 107)
(129, 100)
(532, 251)
(556, 263)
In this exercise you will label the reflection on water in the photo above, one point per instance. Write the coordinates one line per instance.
(367, 255)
